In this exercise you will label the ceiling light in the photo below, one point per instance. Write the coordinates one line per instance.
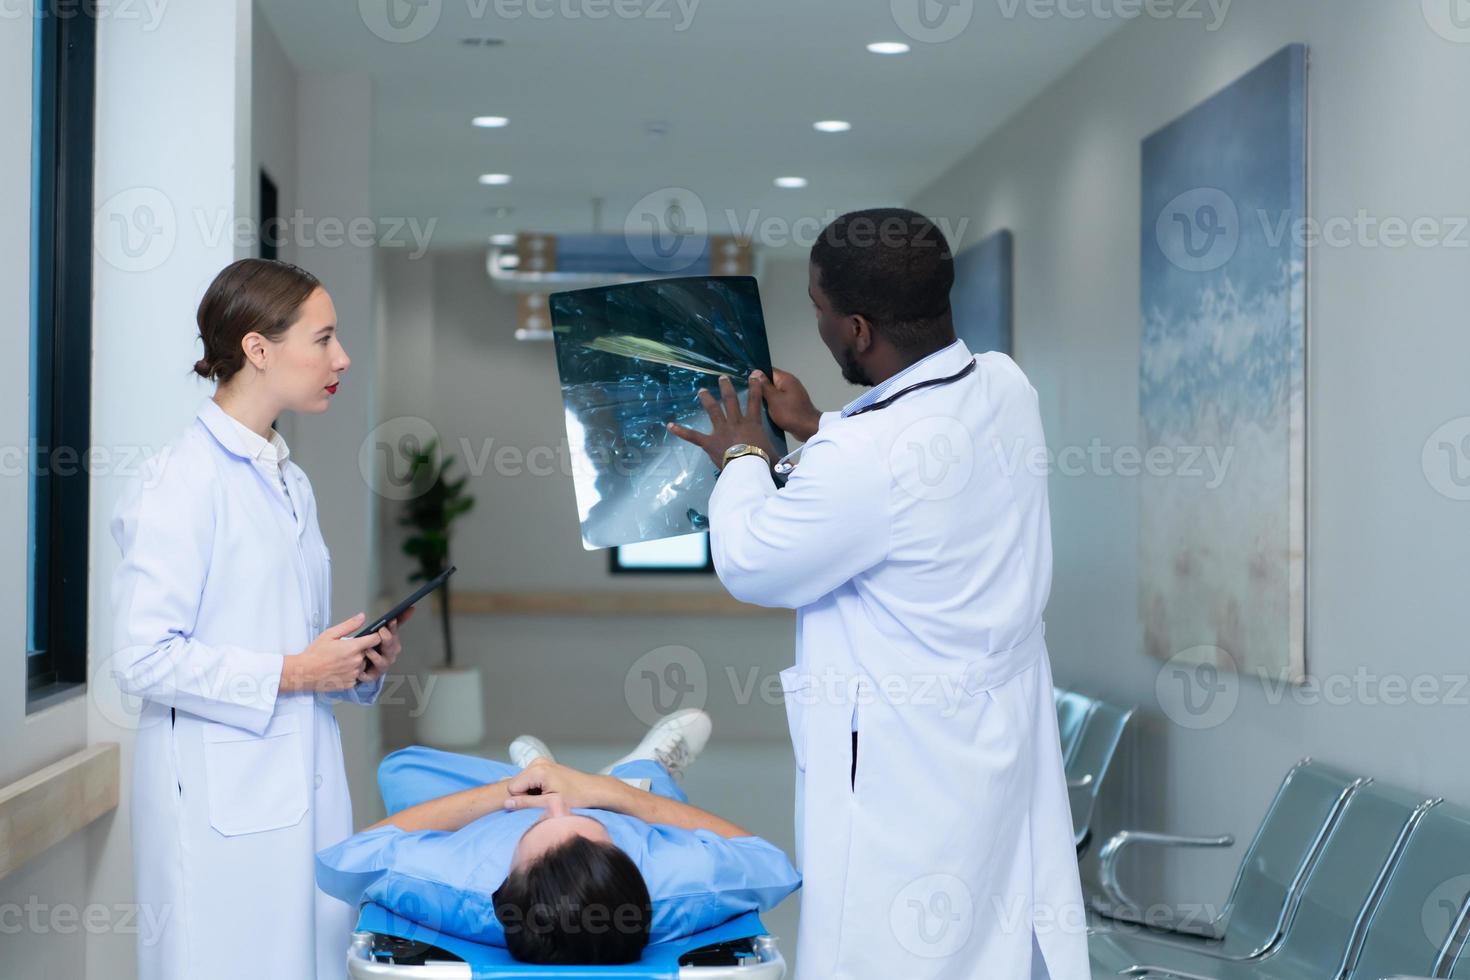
(832, 126)
(791, 182)
(503, 238)
(490, 122)
(509, 261)
(888, 47)
(495, 179)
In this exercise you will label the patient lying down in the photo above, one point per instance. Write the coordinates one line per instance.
(556, 865)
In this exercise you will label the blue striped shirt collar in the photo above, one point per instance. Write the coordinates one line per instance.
(944, 361)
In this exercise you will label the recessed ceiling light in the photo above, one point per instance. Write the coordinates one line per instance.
(888, 47)
(790, 181)
(490, 122)
(832, 126)
(503, 238)
(495, 179)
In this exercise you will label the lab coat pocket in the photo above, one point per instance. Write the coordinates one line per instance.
(797, 691)
(255, 782)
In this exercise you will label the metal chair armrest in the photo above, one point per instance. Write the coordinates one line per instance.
(1119, 905)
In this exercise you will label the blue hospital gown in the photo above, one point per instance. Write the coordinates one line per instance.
(445, 880)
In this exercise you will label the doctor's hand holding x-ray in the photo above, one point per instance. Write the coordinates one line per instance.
(785, 398)
(222, 628)
(919, 562)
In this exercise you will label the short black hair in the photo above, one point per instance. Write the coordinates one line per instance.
(893, 266)
(582, 902)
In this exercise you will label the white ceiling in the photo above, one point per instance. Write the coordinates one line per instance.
(738, 88)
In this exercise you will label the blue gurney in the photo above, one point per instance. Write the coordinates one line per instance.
(388, 947)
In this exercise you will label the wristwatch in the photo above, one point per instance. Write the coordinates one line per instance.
(744, 449)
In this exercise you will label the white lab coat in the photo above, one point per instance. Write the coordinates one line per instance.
(915, 543)
(235, 786)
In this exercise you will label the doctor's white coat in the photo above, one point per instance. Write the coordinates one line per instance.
(235, 785)
(915, 543)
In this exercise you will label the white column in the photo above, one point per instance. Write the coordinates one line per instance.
(172, 176)
(334, 145)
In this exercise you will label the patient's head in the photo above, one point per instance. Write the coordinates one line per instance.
(572, 895)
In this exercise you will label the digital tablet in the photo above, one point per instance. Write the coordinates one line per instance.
(403, 606)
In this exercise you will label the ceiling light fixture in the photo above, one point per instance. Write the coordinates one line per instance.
(494, 180)
(888, 47)
(503, 238)
(832, 126)
(490, 122)
(791, 182)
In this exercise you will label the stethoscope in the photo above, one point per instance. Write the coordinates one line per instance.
(787, 463)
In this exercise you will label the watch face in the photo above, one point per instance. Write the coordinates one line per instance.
(739, 447)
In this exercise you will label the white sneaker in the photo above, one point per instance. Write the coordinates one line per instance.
(526, 749)
(674, 743)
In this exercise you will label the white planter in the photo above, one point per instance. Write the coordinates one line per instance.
(454, 715)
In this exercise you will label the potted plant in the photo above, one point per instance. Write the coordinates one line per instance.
(454, 716)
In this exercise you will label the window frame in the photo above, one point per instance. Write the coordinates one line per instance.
(64, 105)
(616, 567)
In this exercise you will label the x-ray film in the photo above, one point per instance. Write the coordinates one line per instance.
(632, 358)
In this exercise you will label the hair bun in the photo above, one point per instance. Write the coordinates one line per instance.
(248, 296)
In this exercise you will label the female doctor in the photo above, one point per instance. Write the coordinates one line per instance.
(222, 629)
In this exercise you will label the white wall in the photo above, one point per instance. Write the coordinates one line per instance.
(451, 358)
(192, 65)
(1387, 562)
(143, 330)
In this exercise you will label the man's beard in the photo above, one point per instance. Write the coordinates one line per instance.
(852, 372)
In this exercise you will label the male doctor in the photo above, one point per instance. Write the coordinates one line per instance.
(914, 541)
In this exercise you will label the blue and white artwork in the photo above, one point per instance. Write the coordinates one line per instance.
(1222, 378)
(981, 297)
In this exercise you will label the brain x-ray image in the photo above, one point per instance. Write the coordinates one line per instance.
(632, 358)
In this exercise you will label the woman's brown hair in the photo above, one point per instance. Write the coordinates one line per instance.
(261, 296)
